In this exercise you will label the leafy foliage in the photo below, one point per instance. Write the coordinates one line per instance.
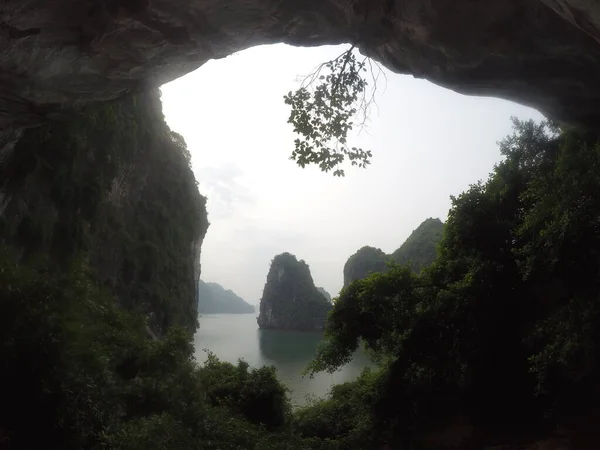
(323, 117)
(255, 394)
(345, 417)
(503, 327)
(290, 300)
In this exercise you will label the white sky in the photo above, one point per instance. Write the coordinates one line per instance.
(428, 143)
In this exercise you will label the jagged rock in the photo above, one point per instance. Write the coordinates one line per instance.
(543, 53)
(290, 299)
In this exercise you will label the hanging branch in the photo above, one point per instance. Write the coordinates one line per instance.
(324, 115)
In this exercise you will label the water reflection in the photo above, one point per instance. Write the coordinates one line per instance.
(287, 347)
(237, 336)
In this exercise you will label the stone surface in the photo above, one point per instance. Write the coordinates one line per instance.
(542, 53)
(112, 188)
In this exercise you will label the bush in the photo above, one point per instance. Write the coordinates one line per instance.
(345, 416)
(256, 394)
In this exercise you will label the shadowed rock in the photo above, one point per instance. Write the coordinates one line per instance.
(542, 53)
(290, 300)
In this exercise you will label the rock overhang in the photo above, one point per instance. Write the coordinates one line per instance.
(59, 54)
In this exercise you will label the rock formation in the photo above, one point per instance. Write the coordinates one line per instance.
(326, 294)
(365, 261)
(215, 299)
(113, 186)
(53, 55)
(419, 250)
(290, 299)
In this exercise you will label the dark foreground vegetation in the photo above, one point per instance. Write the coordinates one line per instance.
(502, 329)
(79, 372)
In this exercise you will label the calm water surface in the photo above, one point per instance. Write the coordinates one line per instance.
(233, 336)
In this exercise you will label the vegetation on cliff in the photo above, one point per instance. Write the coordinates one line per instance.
(419, 250)
(290, 300)
(113, 184)
(365, 261)
(503, 328)
(215, 299)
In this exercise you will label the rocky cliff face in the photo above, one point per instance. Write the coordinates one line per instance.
(543, 53)
(114, 186)
(290, 299)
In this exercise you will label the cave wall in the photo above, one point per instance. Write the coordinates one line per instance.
(114, 187)
(53, 55)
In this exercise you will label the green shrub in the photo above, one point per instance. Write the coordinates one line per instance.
(256, 394)
(345, 416)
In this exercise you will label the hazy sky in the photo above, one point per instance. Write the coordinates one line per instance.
(428, 143)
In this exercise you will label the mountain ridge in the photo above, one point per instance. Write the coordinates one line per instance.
(215, 299)
(419, 250)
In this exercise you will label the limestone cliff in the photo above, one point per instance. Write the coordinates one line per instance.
(326, 294)
(290, 300)
(419, 250)
(114, 186)
(365, 261)
(543, 53)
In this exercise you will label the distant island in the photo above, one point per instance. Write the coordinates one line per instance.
(419, 250)
(290, 300)
(365, 261)
(215, 299)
